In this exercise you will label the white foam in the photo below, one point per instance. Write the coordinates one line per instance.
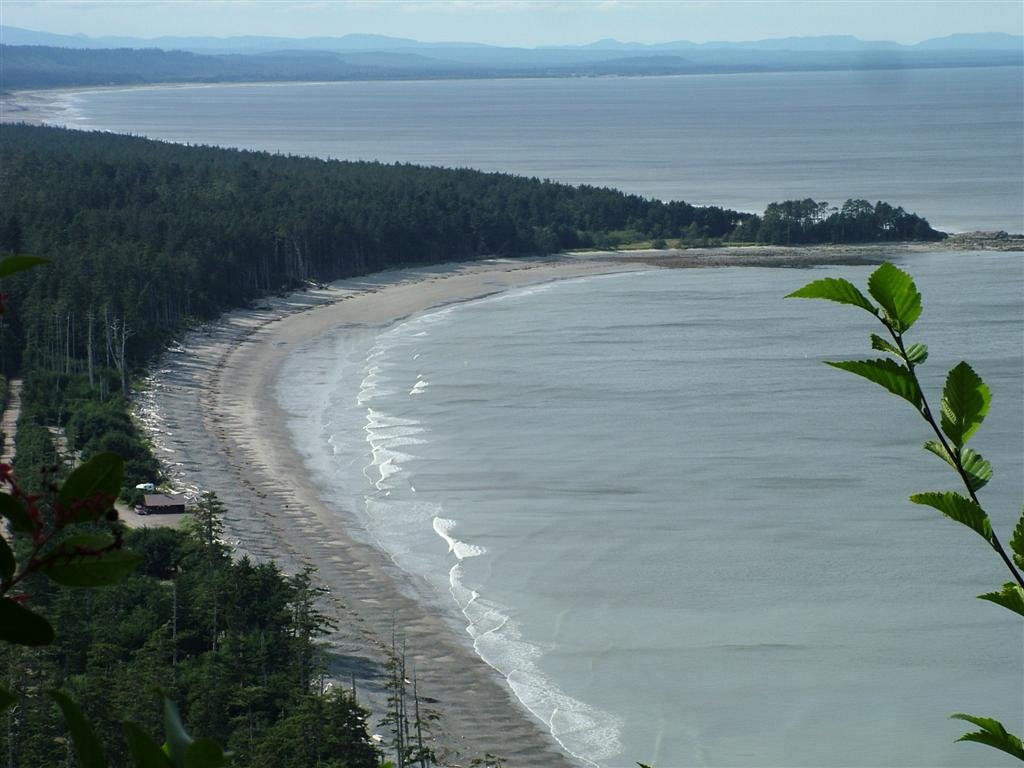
(461, 550)
(387, 463)
(585, 732)
(375, 419)
(393, 440)
(418, 387)
(385, 434)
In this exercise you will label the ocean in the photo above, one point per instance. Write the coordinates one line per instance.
(679, 537)
(943, 143)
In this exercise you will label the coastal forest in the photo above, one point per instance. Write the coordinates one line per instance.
(232, 642)
(143, 235)
(144, 238)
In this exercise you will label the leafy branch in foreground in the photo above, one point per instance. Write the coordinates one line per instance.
(80, 560)
(962, 409)
(47, 523)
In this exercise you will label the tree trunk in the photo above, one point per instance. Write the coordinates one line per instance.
(88, 348)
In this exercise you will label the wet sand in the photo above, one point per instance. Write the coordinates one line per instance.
(212, 411)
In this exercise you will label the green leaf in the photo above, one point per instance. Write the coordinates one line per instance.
(87, 746)
(1011, 596)
(7, 562)
(965, 401)
(13, 264)
(917, 353)
(887, 373)
(959, 508)
(102, 474)
(977, 469)
(14, 510)
(178, 740)
(877, 342)
(144, 751)
(992, 733)
(7, 699)
(937, 448)
(21, 626)
(1017, 541)
(74, 565)
(204, 753)
(894, 289)
(835, 289)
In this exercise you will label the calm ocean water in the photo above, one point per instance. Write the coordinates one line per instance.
(943, 143)
(681, 537)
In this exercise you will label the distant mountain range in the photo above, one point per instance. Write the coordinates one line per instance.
(991, 41)
(30, 59)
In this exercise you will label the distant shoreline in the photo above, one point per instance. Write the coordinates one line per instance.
(212, 410)
(13, 93)
(41, 65)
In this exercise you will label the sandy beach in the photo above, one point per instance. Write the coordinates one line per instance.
(44, 107)
(212, 411)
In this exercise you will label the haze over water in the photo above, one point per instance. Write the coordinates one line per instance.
(943, 143)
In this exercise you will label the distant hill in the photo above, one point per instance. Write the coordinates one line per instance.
(235, 44)
(990, 41)
(820, 43)
(31, 59)
(993, 41)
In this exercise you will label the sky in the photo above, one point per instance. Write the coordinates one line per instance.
(525, 23)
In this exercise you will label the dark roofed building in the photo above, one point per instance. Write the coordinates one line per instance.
(164, 503)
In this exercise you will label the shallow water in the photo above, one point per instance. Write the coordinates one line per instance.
(943, 143)
(683, 539)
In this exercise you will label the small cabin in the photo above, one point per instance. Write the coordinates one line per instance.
(163, 504)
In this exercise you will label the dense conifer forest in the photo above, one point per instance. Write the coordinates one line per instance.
(233, 642)
(143, 235)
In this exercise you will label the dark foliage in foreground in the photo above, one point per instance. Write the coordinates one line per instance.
(231, 642)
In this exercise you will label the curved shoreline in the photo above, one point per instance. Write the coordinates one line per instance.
(213, 413)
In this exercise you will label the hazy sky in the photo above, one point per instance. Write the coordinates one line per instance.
(522, 22)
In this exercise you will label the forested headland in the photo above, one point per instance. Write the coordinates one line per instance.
(144, 238)
(143, 235)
